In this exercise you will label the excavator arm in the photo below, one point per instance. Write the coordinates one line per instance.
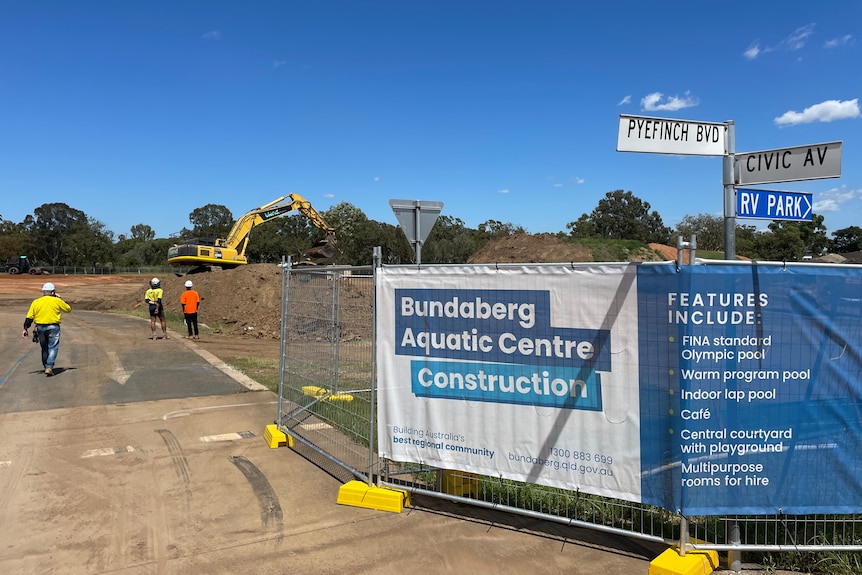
(239, 234)
(325, 248)
(231, 250)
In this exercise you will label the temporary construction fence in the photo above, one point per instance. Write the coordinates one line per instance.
(707, 407)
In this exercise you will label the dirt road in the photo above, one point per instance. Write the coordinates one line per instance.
(145, 456)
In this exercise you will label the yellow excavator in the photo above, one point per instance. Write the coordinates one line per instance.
(230, 252)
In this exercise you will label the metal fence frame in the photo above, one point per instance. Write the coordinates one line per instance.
(327, 403)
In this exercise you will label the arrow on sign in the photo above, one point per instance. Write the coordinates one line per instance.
(773, 205)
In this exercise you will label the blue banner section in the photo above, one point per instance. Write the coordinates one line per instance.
(501, 326)
(564, 388)
(751, 388)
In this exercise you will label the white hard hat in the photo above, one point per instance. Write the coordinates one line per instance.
(48, 287)
(189, 283)
(154, 283)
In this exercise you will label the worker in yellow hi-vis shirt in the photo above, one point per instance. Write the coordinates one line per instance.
(46, 312)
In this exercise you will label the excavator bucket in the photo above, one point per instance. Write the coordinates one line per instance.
(324, 249)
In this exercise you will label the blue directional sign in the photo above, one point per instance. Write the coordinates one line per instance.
(773, 205)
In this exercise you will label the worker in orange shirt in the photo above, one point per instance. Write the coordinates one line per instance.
(191, 301)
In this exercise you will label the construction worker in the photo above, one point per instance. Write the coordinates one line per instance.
(153, 297)
(191, 301)
(46, 312)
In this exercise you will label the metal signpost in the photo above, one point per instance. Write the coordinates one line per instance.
(416, 218)
(685, 137)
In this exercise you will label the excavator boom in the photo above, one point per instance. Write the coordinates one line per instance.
(230, 252)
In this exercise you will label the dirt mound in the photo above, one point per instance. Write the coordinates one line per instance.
(549, 248)
(243, 301)
(526, 248)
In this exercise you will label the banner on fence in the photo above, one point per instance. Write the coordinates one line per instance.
(708, 389)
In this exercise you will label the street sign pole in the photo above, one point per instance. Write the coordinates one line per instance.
(727, 179)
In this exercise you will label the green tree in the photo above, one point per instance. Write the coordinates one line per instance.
(812, 234)
(53, 228)
(782, 243)
(353, 231)
(746, 241)
(211, 221)
(707, 229)
(622, 215)
(92, 245)
(143, 232)
(132, 253)
(847, 240)
(495, 229)
(396, 248)
(15, 241)
(450, 242)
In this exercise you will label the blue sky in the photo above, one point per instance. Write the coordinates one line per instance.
(139, 112)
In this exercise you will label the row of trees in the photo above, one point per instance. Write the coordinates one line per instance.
(59, 235)
(622, 215)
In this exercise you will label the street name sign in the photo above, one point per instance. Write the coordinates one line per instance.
(773, 205)
(812, 162)
(666, 136)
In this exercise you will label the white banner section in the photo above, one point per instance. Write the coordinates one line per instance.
(527, 373)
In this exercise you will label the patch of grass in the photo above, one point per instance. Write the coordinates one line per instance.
(263, 371)
(606, 250)
(706, 255)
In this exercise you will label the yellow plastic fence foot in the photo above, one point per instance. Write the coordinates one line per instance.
(359, 494)
(460, 483)
(692, 563)
(276, 438)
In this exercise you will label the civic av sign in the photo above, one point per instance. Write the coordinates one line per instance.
(789, 164)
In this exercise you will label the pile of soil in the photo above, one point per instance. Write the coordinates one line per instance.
(242, 301)
(548, 248)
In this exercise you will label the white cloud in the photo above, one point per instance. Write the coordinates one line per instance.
(657, 101)
(832, 200)
(213, 35)
(503, 191)
(624, 101)
(278, 63)
(377, 178)
(836, 42)
(798, 38)
(329, 196)
(753, 51)
(795, 41)
(579, 180)
(825, 205)
(558, 185)
(827, 111)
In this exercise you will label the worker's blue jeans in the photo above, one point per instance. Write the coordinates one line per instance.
(49, 339)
